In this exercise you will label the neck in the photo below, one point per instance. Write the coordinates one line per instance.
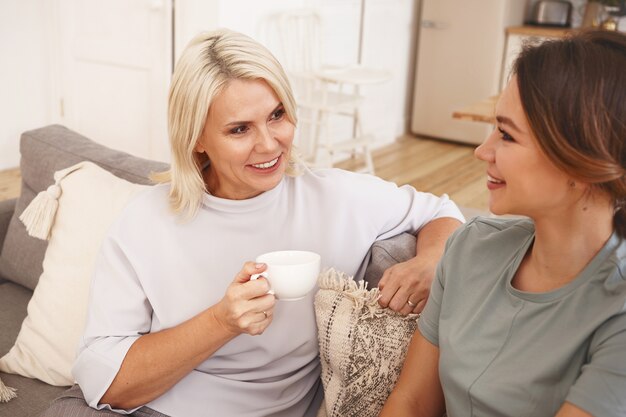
(565, 242)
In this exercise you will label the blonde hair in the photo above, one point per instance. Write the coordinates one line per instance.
(204, 69)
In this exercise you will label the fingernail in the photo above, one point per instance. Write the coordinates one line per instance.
(258, 266)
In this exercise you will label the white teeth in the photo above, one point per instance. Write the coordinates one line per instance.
(492, 179)
(266, 165)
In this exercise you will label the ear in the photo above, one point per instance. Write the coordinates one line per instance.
(199, 148)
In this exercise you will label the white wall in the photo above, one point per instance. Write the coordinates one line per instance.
(387, 44)
(245, 16)
(24, 74)
(192, 17)
(26, 42)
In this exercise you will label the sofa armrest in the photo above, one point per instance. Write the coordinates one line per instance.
(6, 212)
(384, 254)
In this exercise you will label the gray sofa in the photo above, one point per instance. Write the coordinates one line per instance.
(43, 151)
(49, 149)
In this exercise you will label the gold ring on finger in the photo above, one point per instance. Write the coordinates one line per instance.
(265, 314)
(411, 304)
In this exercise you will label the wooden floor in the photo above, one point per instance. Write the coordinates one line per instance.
(9, 183)
(433, 166)
(428, 165)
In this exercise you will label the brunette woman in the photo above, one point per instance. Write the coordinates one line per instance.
(527, 316)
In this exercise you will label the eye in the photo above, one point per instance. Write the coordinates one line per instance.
(505, 136)
(239, 130)
(277, 114)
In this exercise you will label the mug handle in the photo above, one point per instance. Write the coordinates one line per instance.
(264, 275)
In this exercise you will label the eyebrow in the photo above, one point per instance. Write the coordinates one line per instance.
(507, 121)
(245, 122)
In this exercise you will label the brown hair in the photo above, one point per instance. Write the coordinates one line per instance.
(573, 92)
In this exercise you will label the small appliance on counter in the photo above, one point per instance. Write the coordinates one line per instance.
(552, 13)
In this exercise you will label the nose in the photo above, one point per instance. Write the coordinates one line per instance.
(486, 150)
(266, 140)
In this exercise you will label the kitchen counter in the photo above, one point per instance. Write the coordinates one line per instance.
(482, 111)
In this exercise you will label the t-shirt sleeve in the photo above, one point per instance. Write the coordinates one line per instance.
(420, 209)
(601, 387)
(390, 209)
(429, 320)
(118, 314)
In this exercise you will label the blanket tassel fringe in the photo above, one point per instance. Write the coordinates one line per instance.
(364, 299)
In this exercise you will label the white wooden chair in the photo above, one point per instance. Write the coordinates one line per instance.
(322, 92)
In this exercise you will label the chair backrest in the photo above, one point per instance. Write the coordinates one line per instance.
(299, 40)
(295, 37)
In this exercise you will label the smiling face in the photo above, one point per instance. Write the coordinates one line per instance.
(247, 137)
(520, 177)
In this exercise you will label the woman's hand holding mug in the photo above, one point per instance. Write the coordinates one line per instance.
(247, 307)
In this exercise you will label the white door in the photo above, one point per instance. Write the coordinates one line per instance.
(458, 63)
(113, 72)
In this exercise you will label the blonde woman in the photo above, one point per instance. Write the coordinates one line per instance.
(176, 326)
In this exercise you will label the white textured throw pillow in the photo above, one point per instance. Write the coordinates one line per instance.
(90, 199)
(362, 346)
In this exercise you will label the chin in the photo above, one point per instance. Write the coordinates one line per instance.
(497, 209)
(271, 183)
(502, 211)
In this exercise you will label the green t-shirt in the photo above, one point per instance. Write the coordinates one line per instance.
(505, 352)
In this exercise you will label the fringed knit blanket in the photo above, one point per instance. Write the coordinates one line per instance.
(362, 346)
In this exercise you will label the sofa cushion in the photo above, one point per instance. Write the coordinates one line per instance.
(6, 212)
(45, 151)
(90, 200)
(13, 302)
(33, 396)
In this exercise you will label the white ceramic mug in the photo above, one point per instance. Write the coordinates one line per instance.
(290, 273)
